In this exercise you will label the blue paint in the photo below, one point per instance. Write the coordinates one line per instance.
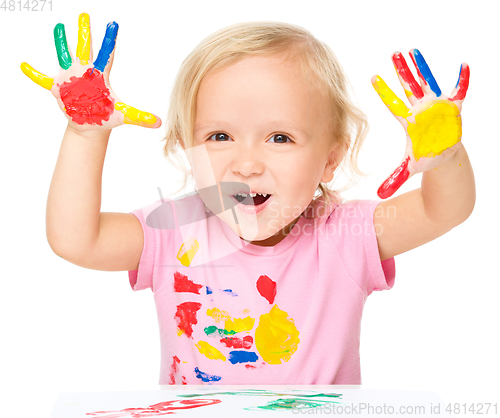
(459, 74)
(229, 292)
(209, 291)
(205, 377)
(242, 357)
(108, 44)
(426, 72)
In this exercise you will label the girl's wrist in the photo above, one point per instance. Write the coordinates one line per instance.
(98, 134)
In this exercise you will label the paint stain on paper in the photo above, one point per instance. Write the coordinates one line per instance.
(186, 317)
(276, 337)
(183, 284)
(156, 410)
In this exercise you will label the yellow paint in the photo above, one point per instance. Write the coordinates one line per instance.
(84, 39)
(180, 332)
(218, 315)
(276, 337)
(436, 128)
(395, 105)
(39, 78)
(188, 250)
(134, 116)
(209, 351)
(408, 93)
(240, 324)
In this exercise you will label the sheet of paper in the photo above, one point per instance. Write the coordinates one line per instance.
(220, 401)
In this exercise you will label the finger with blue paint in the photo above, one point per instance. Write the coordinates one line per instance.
(460, 90)
(104, 60)
(427, 80)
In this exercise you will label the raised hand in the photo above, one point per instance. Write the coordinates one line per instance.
(433, 123)
(82, 88)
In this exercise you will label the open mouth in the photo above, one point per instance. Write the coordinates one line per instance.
(253, 199)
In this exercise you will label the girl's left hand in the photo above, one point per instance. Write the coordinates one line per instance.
(433, 124)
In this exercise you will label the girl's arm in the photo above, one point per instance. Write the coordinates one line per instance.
(445, 199)
(76, 230)
(433, 128)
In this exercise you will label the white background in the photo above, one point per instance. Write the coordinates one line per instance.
(65, 328)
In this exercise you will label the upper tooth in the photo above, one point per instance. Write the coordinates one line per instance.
(243, 194)
(253, 194)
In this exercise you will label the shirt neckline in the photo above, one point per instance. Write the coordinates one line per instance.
(276, 249)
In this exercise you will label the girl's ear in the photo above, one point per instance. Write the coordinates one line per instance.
(335, 157)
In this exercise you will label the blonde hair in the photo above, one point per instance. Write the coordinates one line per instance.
(233, 43)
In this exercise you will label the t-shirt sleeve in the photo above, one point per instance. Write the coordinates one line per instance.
(157, 224)
(355, 235)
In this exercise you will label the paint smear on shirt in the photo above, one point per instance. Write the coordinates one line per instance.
(242, 357)
(213, 331)
(188, 250)
(183, 284)
(209, 351)
(229, 292)
(232, 325)
(276, 337)
(240, 324)
(174, 369)
(205, 377)
(186, 316)
(267, 288)
(235, 342)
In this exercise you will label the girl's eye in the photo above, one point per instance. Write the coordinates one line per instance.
(219, 137)
(281, 139)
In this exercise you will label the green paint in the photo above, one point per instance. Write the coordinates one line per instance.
(222, 332)
(63, 54)
(291, 403)
(261, 392)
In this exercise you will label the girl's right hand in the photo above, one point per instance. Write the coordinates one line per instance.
(82, 88)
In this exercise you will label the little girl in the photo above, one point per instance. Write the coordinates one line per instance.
(256, 280)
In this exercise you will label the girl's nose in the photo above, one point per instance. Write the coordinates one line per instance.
(247, 162)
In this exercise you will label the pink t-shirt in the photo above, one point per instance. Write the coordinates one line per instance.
(231, 312)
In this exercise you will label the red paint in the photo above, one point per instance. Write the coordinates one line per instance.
(174, 369)
(183, 284)
(267, 288)
(394, 181)
(184, 381)
(416, 66)
(405, 73)
(463, 83)
(86, 99)
(249, 366)
(156, 410)
(245, 342)
(186, 316)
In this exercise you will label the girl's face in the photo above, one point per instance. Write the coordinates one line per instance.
(260, 123)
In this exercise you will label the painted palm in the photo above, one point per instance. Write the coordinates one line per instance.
(82, 88)
(433, 124)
